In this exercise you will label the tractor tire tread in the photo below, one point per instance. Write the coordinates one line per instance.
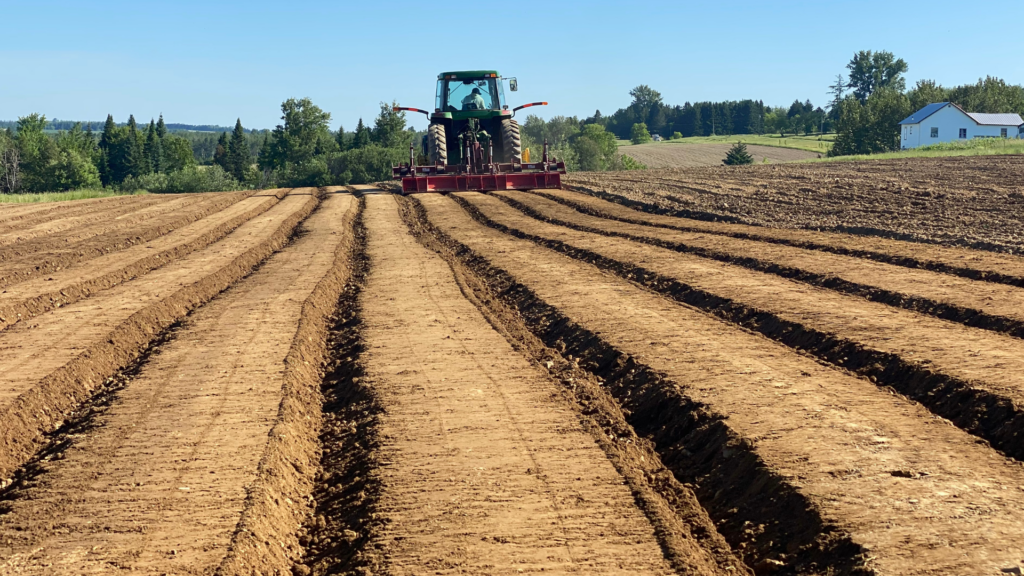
(512, 143)
(437, 145)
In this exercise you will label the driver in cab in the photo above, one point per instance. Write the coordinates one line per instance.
(474, 101)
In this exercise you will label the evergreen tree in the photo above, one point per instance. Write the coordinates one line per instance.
(153, 148)
(161, 128)
(138, 162)
(220, 156)
(239, 158)
(362, 137)
(108, 131)
(265, 160)
(698, 122)
(738, 156)
(341, 138)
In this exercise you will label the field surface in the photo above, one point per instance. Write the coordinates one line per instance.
(672, 155)
(607, 379)
(970, 201)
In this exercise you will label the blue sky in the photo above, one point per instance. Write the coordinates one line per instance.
(210, 62)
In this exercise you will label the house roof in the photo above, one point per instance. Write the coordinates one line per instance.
(996, 119)
(979, 118)
(925, 112)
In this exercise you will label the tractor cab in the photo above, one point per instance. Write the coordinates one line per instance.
(473, 91)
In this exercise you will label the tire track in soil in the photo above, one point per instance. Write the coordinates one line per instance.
(168, 466)
(971, 377)
(54, 255)
(95, 220)
(977, 304)
(971, 264)
(19, 302)
(60, 359)
(481, 466)
(804, 468)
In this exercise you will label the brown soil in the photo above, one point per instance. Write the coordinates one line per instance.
(95, 220)
(172, 462)
(21, 216)
(974, 264)
(669, 155)
(483, 470)
(977, 370)
(861, 473)
(40, 294)
(61, 358)
(49, 254)
(975, 303)
(344, 381)
(974, 201)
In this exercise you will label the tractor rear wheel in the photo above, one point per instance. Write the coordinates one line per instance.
(437, 145)
(511, 143)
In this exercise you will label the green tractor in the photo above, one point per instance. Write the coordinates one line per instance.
(470, 107)
(473, 142)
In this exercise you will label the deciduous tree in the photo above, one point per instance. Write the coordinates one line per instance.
(870, 71)
(639, 134)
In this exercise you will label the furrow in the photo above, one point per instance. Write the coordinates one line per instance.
(14, 216)
(687, 535)
(280, 500)
(972, 264)
(94, 220)
(60, 359)
(972, 303)
(806, 469)
(184, 434)
(481, 466)
(21, 301)
(57, 255)
(970, 376)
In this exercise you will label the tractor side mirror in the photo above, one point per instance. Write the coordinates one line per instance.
(513, 85)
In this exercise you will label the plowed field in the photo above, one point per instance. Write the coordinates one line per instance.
(590, 381)
(670, 155)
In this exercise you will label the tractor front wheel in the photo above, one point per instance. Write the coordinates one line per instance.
(511, 142)
(437, 145)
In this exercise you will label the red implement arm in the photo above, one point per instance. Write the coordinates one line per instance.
(518, 108)
(400, 108)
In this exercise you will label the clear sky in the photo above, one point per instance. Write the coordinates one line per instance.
(210, 62)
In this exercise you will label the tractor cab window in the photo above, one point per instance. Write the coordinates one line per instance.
(476, 94)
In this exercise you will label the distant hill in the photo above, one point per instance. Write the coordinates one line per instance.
(56, 125)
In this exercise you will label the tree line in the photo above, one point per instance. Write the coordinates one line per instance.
(709, 118)
(302, 151)
(869, 103)
(97, 125)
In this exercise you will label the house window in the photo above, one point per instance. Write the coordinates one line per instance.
(963, 133)
(1002, 132)
(935, 132)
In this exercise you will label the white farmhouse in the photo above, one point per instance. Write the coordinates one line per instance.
(945, 122)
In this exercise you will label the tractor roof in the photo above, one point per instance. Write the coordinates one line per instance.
(466, 74)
